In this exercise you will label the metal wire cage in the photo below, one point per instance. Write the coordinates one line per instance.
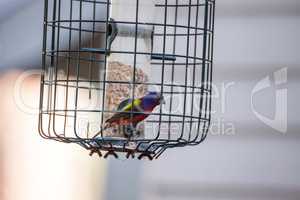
(98, 53)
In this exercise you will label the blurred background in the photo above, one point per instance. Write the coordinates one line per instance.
(253, 148)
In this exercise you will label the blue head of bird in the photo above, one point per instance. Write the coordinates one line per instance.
(152, 99)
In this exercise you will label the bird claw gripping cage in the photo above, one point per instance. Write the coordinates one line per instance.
(102, 59)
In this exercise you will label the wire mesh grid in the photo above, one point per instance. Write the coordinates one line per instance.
(80, 79)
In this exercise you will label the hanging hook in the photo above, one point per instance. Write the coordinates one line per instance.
(146, 154)
(111, 152)
(130, 153)
(96, 151)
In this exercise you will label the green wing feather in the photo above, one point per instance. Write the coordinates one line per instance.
(125, 107)
(123, 104)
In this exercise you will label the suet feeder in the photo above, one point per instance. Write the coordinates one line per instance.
(100, 54)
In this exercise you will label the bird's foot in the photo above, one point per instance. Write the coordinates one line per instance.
(129, 131)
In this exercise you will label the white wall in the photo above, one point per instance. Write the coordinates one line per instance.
(253, 40)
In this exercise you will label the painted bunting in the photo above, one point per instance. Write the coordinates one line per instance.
(130, 113)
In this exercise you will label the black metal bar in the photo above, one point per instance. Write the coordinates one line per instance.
(194, 69)
(211, 70)
(78, 72)
(173, 66)
(163, 67)
(56, 71)
(106, 52)
(50, 92)
(204, 64)
(105, 63)
(186, 71)
(68, 65)
(163, 57)
(132, 23)
(42, 85)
